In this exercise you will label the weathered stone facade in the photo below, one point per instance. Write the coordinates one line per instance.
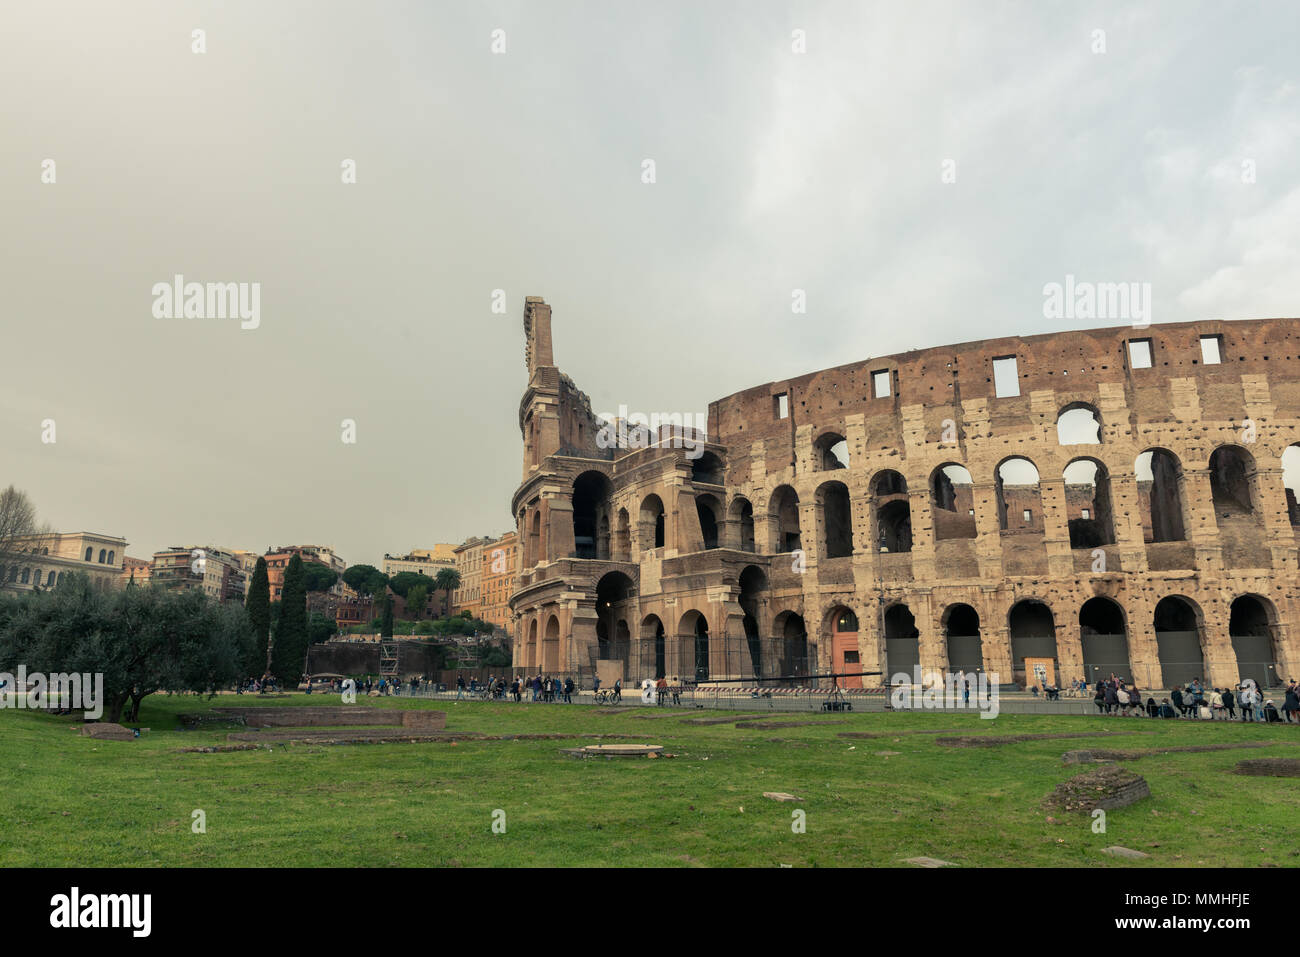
(915, 509)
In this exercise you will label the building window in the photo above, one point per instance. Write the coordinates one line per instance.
(850, 657)
(1139, 353)
(102, 554)
(781, 406)
(1029, 516)
(1211, 350)
(1087, 514)
(880, 383)
(89, 552)
(1006, 377)
(110, 557)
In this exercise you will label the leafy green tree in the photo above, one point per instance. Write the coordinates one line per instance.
(290, 646)
(258, 606)
(365, 579)
(416, 599)
(142, 640)
(386, 627)
(403, 582)
(320, 628)
(318, 577)
(447, 580)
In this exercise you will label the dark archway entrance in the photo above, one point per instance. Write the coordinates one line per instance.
(1250, 626)
(1104, 638)
(902, 643)
(962, 631)
(1178, 641)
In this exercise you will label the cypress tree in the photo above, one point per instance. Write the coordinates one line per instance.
(291, 630)
(386, 626)
(258, 606)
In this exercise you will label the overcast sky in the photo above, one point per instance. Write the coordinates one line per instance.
(522, 171)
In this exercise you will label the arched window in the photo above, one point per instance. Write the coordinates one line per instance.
(830, 452)
(708, 509)
(1232, 482)
(1087, 502)
(110, 557)
(1078, 424)
(952, 502)
(89, 554)
(1020, 505)
(837, 520)
(27, 576)
(1159, 478)
(893, 512)
(102, 555)
(652, 523)
(785, 506)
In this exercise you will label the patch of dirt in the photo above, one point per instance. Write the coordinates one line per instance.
(895, 734)
(1089, 756)
(778, 725)
(996, 740)
(717, 720)
(1269, 767)
(107, 731)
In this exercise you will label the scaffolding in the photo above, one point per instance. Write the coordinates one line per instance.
(389, 658)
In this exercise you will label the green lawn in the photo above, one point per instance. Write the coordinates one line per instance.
(73, 801)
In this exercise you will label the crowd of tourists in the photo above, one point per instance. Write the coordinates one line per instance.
(543, 688)
(1194, 700)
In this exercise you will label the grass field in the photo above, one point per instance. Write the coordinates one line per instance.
(72, 801)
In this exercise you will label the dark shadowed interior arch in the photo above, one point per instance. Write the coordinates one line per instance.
(1033, 635)
(1178, 641)
(962, 631)
(1159, 478)
(1250, 627)
(902, 643)
(837, 520)
(1105, 641)
(785, 506)
(591, 492)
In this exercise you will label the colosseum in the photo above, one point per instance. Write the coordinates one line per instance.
(1041, 509)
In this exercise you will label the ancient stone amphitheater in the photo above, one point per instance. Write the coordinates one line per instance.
(1042, 508)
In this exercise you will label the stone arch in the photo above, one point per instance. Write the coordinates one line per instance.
(1078, 423)
(741, 521)
(1180, 641)
(1032, 628)
(652, 523)
(615, 603)
(591, 504)
(531, 649)
(1159, 480)
(708, 469)
(902, 642)
(792, 634)
(836, 518)
(551, 646)
(1233, 484)
(1252, 629)
(891, 512)
(952, 503)
(830, 452)
(961, 630)
(753, 596)
(1103, 637)
(654, 646)
(693, 633)
(709, 510)
(1088, 503)
(784, 508)
(1019, 495)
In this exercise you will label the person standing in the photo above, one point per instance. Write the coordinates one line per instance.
(1230, 704)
